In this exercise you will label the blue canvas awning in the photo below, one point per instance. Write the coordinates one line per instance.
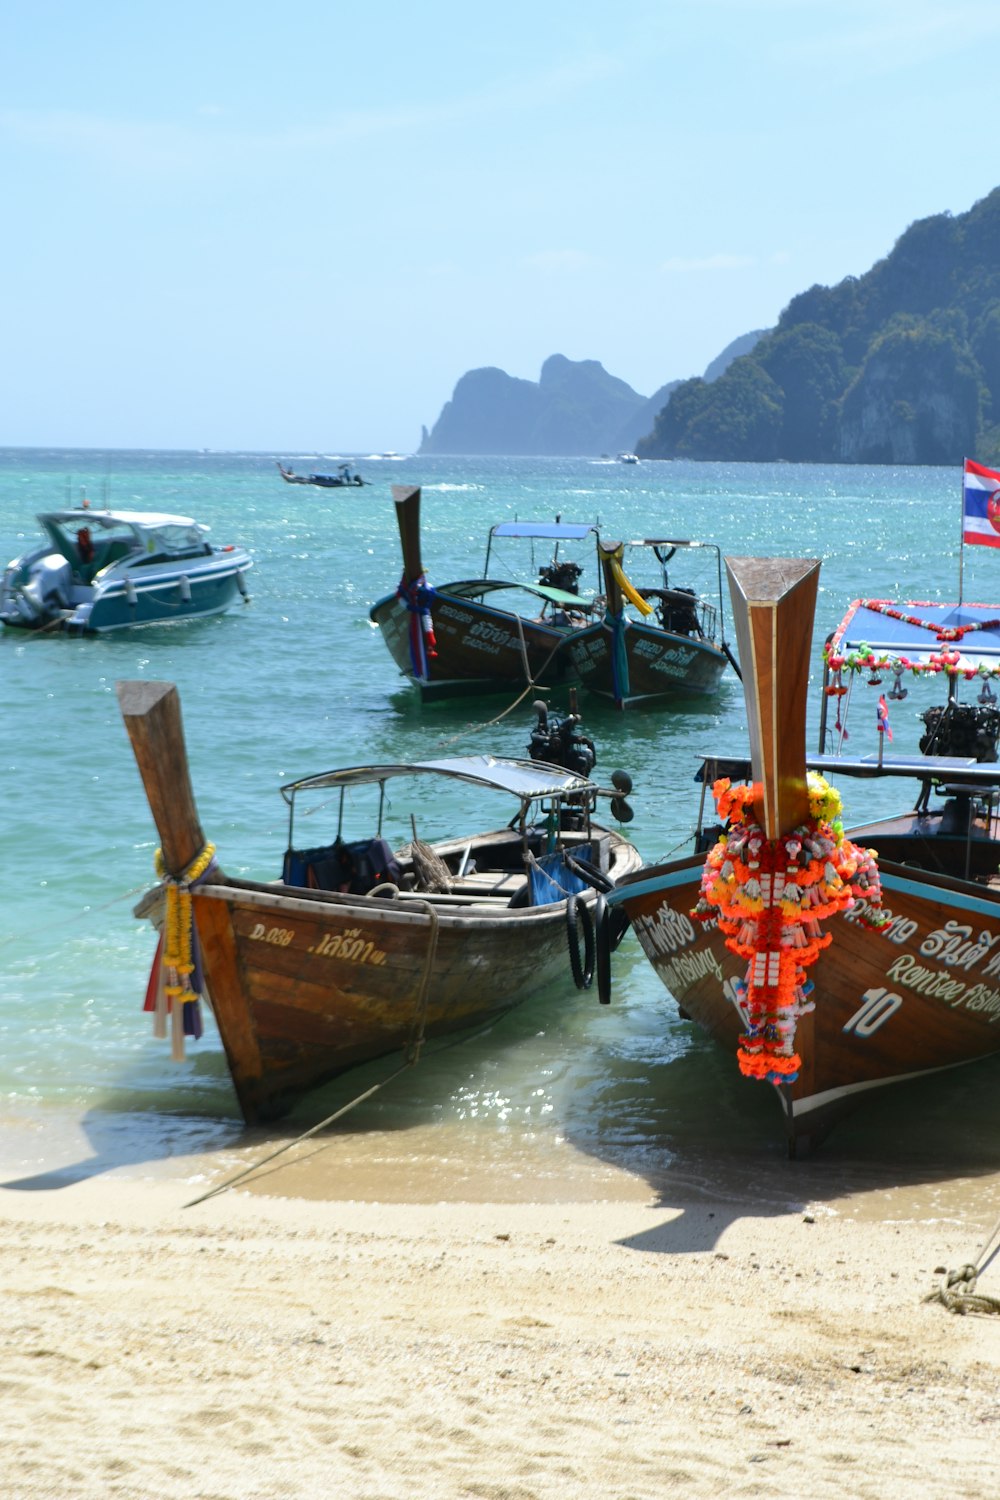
(915, 632)
(551, 531)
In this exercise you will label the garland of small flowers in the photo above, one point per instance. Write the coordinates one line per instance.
(943, 632)
(864, 659)
(180, 943)
(769, 897)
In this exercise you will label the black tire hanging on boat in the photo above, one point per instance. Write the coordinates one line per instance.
(589, 873)
(578, 916)
(619, 923)
(603, 944)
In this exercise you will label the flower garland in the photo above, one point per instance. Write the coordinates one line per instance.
(943, 632)
(863, 659)
(179, 967)
(769, 897)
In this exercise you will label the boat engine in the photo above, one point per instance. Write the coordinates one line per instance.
(962, 729)
(561, 742)
(47, 592)
(561, 575)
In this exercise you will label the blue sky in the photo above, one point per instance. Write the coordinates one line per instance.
(293, 226)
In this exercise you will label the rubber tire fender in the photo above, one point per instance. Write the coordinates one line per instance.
(578, 915)
(589, 873)
(619, 923)
(603, 945)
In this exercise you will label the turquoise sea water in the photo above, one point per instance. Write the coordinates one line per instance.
(299, 681)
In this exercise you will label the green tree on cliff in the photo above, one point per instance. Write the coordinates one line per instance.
(901, 365)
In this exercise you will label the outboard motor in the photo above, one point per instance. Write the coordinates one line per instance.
(47, 592)
(962, 729)
(678, 611)
(561, 741)
(561, 575)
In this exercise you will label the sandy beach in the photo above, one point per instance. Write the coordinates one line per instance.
(294, 1337)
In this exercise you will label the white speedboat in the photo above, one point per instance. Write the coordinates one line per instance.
(103, 570)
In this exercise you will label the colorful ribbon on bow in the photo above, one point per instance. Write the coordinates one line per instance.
(176, 980)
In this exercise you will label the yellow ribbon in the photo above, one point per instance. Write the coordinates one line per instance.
(629, 592)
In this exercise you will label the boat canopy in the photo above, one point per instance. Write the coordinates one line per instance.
(145, 520)
(917, 633)
(524, 779)
(472, 588)
(129, 532)
(550, 531)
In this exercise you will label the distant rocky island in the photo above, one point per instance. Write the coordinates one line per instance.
(898, 366)
(575, 408)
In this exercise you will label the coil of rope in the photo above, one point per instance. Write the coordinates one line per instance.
(957, 1289)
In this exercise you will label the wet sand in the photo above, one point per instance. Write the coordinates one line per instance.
(387, 1314)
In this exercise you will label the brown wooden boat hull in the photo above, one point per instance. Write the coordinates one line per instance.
(306, 980)
(660, 664)
(921, 995)
(304, 986)
(479, 648)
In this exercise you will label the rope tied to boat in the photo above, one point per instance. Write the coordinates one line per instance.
(411, 1055)
(176, 982)
(532, 687)
(957, 1289)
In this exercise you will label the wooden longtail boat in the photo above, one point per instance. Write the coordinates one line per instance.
(917, 994)
(313, 974)
(485, 634)
(672, 648)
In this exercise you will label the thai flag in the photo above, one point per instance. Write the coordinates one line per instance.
(882, 714)
(981, 505)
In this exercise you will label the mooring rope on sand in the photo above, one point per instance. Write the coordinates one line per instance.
(957, 1289)
(411, 1056)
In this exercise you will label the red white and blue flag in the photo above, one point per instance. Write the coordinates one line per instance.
(882, 715)
(980, 505)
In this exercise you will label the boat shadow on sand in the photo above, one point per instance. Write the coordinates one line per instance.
(915, 1152)
(625, 1111)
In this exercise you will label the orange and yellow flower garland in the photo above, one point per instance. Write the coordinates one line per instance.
(769, 897)
(178, 946)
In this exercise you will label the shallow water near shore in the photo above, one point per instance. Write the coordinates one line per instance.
(561, 1099)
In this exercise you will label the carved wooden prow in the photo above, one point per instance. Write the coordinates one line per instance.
(152, 714)
(774, 603)
(407, 498)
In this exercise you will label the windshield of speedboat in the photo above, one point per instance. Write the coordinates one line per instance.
(176, 540)
(92, 539)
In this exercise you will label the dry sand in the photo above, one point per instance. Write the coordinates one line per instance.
(613, 1342)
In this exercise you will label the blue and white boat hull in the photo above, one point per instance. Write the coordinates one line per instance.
(115, 570)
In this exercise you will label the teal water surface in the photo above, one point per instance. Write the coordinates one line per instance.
(299, 681)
